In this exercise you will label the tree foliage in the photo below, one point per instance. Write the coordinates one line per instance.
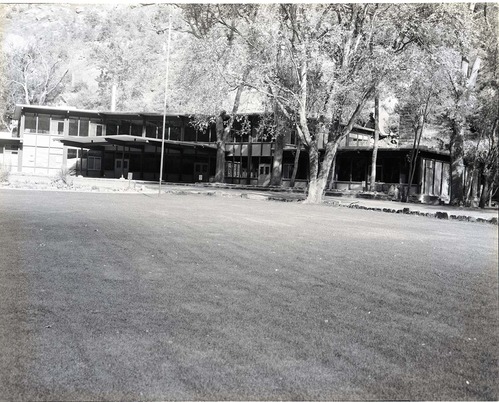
(314, 67)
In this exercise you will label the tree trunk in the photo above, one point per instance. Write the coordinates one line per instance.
(314, 191)
(332, 174)
(471, 185)
(484, 196)
(220, 167)
(318, 181)
(295, 166)
(276, 178)
(376, 139)
(457, 165)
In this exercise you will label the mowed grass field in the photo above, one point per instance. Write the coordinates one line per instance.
(131, 297)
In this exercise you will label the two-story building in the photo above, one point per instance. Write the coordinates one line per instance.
(114, 144)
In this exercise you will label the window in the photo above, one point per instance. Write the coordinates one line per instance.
(98, 130)
(287, 170)
(30, 123)
(94, 162)
(118, 164)
(73, 127)
(137, 130)
(72, 153)
(43, 124)
(125, 128)
(111, 129)
(151, 131)
(60, 126)
(232, 169)
(84, 128)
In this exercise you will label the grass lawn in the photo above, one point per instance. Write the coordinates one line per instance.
(126, 297)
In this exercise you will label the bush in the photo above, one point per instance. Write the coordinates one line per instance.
(4, 173)
(65, 174)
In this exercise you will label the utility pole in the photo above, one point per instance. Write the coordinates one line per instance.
(164, 104)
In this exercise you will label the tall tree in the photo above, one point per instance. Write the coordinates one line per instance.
(36, 58)
(228, 36)
(331, 76)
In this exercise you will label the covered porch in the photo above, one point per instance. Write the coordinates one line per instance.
(117, 156)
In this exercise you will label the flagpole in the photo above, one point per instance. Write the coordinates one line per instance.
(164, 104)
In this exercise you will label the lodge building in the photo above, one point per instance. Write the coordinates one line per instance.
(114, 144)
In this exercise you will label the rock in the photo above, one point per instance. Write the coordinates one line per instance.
(493, 221)
(406, 210)
(441, 215)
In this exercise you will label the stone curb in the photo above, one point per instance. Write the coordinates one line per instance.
(437, 215)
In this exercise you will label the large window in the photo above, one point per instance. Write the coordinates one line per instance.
(73, 127)
(137, 130)
(232, 169)
(287, 170)
(43, 124)
(84, 128)
(111, 129)
(124, 128)
(30, 123)
(94, 162)
(73, 153)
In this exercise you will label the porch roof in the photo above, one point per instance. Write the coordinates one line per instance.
(129, 141)
(7, 139)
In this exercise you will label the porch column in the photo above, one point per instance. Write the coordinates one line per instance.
(20, 134)
(182, 129)
(181, 164)
(333, 172)
(81, 162)
(122, 161)
(250, 162)
(102, 156)
(142, 151)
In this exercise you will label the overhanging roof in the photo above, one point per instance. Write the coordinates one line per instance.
(129, 141)
(56, 111)
(7, 139)
(68, 112)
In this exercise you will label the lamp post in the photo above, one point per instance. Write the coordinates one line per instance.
(164, 104)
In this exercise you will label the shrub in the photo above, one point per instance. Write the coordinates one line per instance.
(4, 173)
(65, 174)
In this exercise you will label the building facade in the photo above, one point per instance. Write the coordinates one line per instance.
(116, 144)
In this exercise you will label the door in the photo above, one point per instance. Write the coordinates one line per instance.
(201, 172)
(264, 174)
(121, 168)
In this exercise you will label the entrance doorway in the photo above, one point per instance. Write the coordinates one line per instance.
(121, 169)
(201, 172)
(264, 174)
